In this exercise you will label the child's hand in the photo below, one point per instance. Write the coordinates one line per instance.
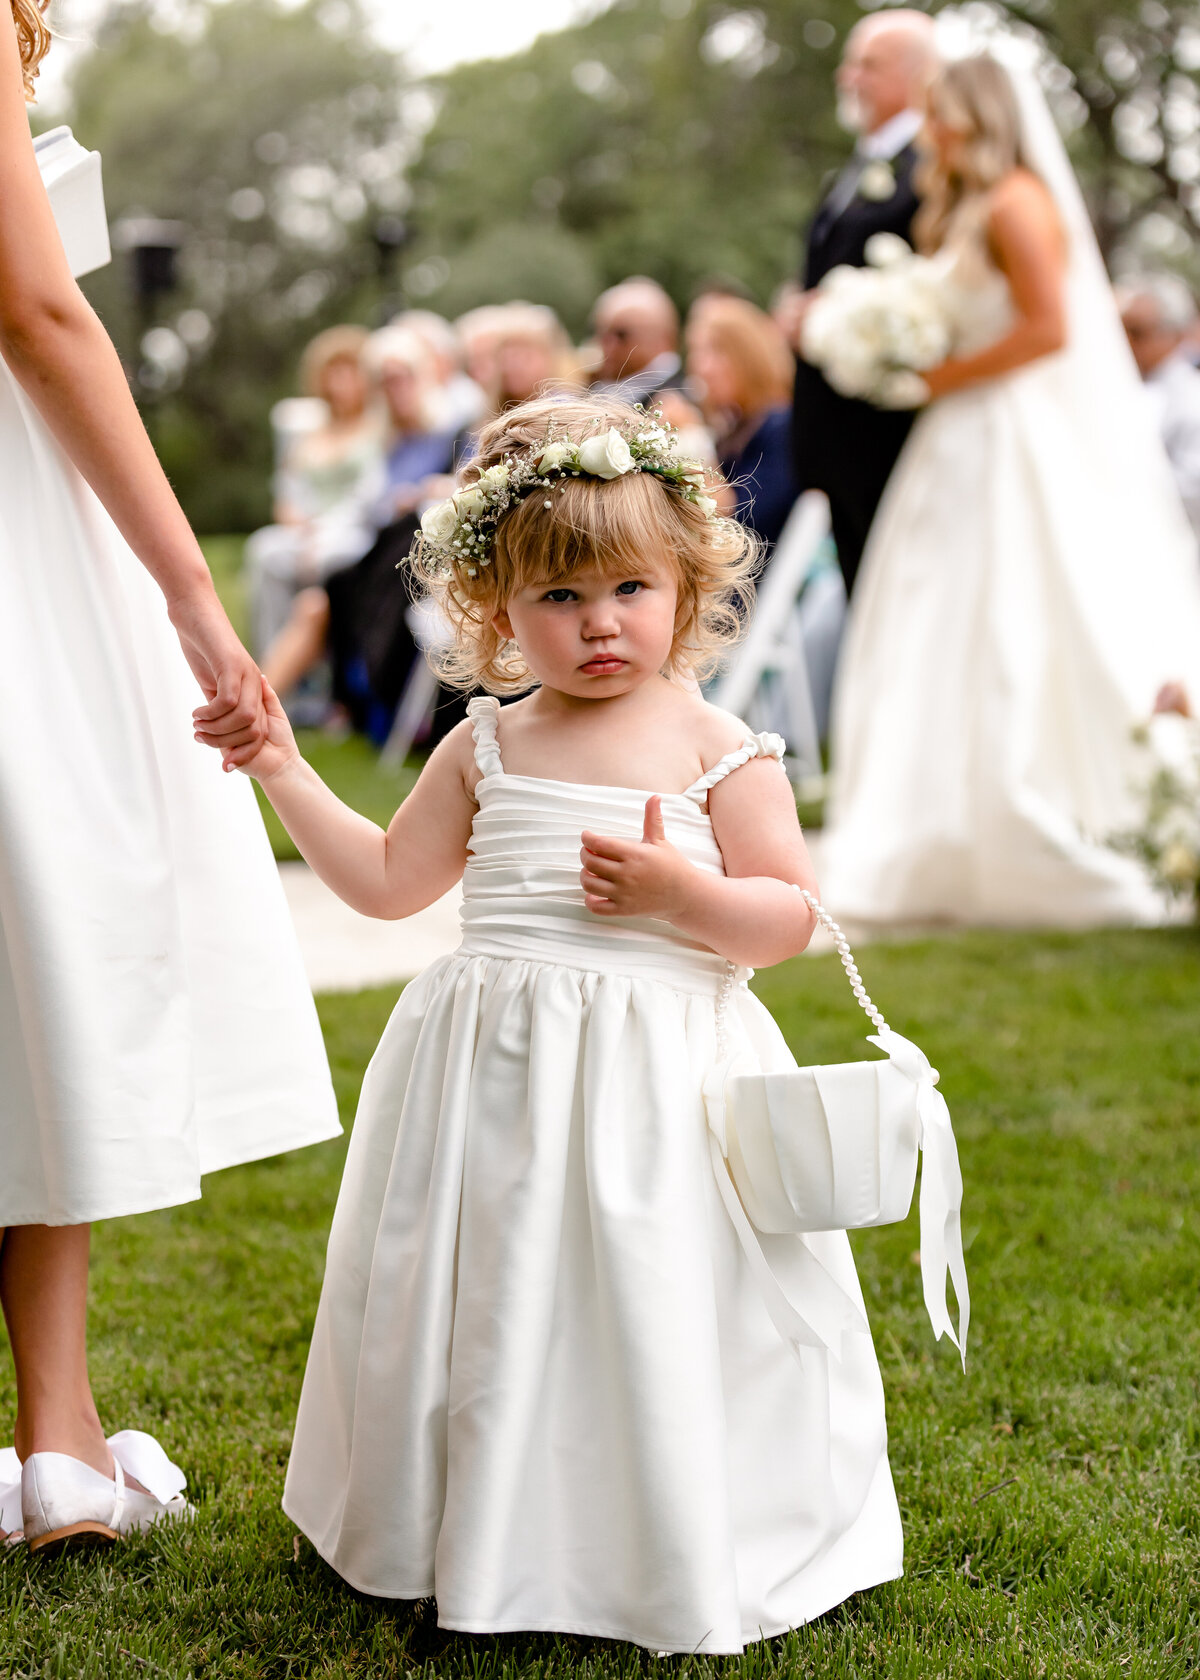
(277, 751)
(645, 877)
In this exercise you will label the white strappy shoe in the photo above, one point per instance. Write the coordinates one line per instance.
(66, 1502)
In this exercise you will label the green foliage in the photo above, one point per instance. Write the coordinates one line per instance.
(271, 133)
(1049, 1497)
(678, 138)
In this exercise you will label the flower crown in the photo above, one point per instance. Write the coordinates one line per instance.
(461, 532)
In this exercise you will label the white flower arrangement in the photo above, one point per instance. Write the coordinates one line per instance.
(1168, 842)
(873, 331)
(877, 183)
(460, 532)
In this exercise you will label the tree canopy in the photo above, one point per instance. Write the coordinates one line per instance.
(678, 138)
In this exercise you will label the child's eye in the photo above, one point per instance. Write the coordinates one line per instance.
(630, 586)
(559, 595)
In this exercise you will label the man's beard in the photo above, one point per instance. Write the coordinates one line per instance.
(852, 114)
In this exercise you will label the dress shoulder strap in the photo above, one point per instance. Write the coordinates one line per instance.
(765, 745)
(483, 712)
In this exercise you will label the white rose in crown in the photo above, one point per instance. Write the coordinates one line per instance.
(470, 502)
(877, 183)
(440, 522)
(606, 455)
(495, 478)
(554, 455)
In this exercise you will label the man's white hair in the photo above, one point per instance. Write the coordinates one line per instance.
(914, 31)
(1174, 303)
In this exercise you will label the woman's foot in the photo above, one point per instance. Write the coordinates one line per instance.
(66, 1502)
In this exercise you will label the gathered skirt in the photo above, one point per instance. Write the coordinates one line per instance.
(543, 1386)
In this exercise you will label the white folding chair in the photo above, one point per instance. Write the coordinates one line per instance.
(767, 681)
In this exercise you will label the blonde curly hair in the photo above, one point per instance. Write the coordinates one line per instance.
(618, 526)
(33, 39)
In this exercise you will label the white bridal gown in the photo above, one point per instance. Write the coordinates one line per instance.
(1029, 583)
(543, 1385)
(155, 1022)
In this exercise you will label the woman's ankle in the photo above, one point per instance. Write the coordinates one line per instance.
(77, 1437)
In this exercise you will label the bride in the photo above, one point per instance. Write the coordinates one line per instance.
(1030, 579)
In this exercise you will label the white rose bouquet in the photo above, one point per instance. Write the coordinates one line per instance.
(873, 331)
(1168, 841)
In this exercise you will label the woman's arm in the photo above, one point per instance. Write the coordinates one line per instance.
(1027, 245)
(753, 914)
(387, 875)
(65, 361)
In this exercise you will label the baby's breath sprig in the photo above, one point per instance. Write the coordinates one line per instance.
(460, 532)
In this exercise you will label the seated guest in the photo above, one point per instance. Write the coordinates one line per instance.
(458, 400)
(740, 365)
(415, 452)
(1159, 315)
(533, 357)
(478, 332)
(319, 473)
(636, 327)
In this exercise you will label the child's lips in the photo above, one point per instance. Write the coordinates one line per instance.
(603, 664)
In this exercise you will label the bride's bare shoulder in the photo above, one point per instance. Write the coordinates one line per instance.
(1024, 195)
(1023, 223)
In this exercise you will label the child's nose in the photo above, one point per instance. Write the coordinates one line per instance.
(599, 621)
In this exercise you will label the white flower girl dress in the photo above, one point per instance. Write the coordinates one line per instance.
(544, 1385)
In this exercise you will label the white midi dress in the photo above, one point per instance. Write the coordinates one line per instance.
(544, 1386)
(155, 1020)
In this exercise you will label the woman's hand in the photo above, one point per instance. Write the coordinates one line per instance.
(646, 877)
(943, 379)
(232, 720)
(277, 750)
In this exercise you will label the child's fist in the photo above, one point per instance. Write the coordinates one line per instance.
(645, 877)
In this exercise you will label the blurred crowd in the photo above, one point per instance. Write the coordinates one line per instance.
(385, 418)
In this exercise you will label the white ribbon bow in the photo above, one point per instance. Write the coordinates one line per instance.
(941, 1192)
(141, 1457)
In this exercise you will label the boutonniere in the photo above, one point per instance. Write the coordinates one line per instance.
(877, 181)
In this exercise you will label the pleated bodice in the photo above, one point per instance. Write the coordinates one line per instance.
(522, 896)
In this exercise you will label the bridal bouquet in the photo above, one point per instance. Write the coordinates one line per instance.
(873, 331)
(1168, 841)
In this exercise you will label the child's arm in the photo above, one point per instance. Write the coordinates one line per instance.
(752, 915)
(392, 874)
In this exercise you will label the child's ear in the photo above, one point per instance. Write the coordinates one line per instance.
(503, 625)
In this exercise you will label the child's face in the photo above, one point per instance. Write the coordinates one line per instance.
(595, 636)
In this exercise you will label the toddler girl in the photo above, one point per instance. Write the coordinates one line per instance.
(546, 1383)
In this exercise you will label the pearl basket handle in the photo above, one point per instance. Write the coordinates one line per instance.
(842, 946)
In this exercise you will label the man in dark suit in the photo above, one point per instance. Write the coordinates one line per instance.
(842, 446)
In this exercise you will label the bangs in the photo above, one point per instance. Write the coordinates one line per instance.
(616, 529)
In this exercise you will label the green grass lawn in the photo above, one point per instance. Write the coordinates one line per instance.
(1050, 1496)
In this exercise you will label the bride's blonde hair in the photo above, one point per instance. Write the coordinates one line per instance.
(33, 39)
(974, 96)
